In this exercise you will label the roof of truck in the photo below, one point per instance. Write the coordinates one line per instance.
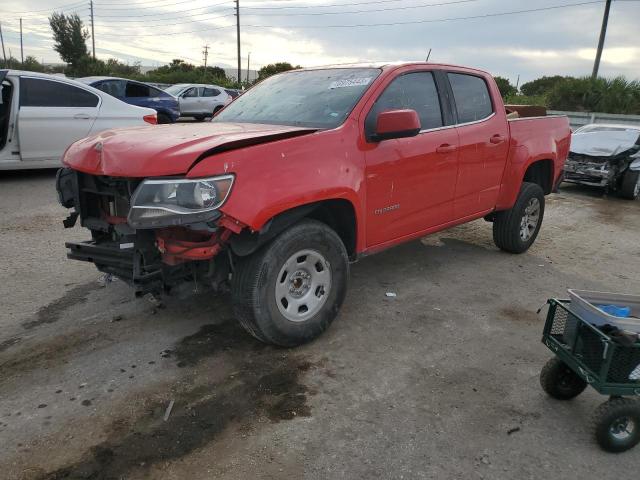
(386, 65)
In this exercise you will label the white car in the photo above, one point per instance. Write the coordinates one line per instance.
(41, 115)
(199, 100)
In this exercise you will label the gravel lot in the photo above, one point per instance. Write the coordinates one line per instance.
(439, 382)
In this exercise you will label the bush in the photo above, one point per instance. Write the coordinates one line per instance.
(505, 87)
(617, 95)
(542, 85)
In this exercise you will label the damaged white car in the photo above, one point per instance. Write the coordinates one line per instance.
(606, 156)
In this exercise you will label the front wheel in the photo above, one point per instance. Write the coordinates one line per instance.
(290, 290)
(616, 424)
(559, 381)
(516, 229)
(630, 187)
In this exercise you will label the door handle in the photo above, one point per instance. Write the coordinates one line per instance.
(81, 116)
(446, 148)
(497, 138)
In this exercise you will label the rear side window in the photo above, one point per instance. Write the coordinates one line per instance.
(115, 88)
(416, 91)
(211, 92)
(472, 98)
(36, 92)
(137, 90)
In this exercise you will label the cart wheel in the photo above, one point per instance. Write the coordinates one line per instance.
(617, 424)
(559, 381)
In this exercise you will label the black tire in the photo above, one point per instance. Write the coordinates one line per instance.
(199, 118)
(616, 424)
(163, 118)
(216, 110)
(255, 279)
(630, 186)
(559, 381)
(507, 223)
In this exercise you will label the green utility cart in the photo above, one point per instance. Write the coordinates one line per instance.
(584, 355)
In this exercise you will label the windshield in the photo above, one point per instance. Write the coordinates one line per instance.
(175, 89)
(306, 98)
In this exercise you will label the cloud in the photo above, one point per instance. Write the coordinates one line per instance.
(556, 41)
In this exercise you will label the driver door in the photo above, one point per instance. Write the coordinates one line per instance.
(410, 181)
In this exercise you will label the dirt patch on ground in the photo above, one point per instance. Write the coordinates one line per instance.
(10, 342)
(265, 383)
(52, 312)
(51, 353)
(518, 314)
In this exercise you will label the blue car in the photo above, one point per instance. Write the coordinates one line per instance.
(140, 94)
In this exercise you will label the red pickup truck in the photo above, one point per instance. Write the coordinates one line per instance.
(307, 171)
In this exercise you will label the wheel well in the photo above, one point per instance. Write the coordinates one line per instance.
(541, 173)
(338, 214)
(341, 217)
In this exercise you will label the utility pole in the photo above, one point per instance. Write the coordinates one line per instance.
(93, 36)
(428, 55)
(238, 38)
(603, 33)
(21, 51)
(205, 52)
(4, 55)
(248, 60)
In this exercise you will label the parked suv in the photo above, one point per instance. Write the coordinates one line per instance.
(198, 100)
(140, 94)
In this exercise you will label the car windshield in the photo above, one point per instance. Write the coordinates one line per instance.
(175, 89)
(306, 98)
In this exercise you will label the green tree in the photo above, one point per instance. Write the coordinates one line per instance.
(274, 68)
(505, 87)
(33, 65)
(70, 37)
(542, 85)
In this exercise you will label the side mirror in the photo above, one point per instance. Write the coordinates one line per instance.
(396, 124)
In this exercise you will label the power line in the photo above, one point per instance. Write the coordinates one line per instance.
(365, 11)
(350, 4)
(45, 9)
(155, 7)
(437, 20)
(146, 22)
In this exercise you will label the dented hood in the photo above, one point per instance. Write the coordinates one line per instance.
(161, 150)
(604, 143)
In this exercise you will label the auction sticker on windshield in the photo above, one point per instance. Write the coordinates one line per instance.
(350, 82)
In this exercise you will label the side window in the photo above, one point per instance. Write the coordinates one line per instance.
(36, 92)
(191, 93)
(416, 91)
(471, 94)
(137, 90)
(115, 88)
(211, 92)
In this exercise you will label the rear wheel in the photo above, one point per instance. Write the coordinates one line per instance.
(290, 290)
(516, 229)
(163, 118)
(616, 424)
(630, 187)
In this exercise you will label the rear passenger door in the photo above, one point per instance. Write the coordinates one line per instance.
(52, 116)
(410, 181)
(191, 101)
(483, 136)
(212, 98)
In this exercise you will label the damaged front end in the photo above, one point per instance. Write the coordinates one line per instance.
(601, 158)
(153, 234)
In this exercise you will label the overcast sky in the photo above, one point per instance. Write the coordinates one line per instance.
(480, 33)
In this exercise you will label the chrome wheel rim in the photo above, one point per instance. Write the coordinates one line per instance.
(303, 285)
(530, 219)
(622, 428)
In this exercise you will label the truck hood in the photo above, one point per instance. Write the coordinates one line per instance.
(160, 150)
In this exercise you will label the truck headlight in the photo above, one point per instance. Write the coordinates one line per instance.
(179, 201)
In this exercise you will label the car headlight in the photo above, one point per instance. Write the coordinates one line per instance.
(179, 201)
